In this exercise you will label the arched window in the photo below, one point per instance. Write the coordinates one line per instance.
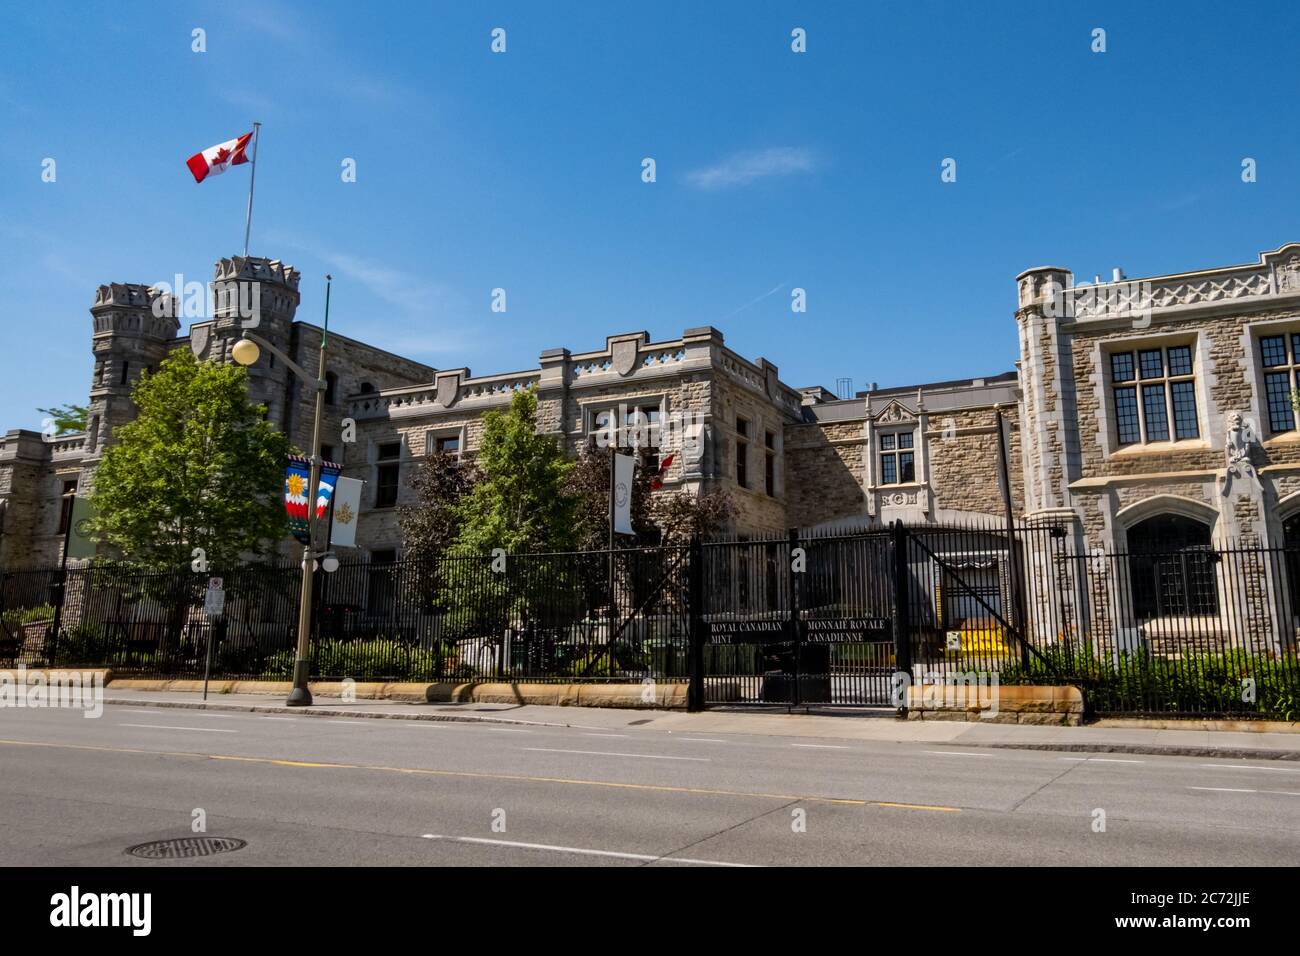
(1172, 567)
(1291, 551)
(365, 388)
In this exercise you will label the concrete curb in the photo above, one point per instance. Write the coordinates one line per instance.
(318, 712)
(665, 695)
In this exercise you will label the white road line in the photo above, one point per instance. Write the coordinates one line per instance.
(339, 720)
(202, 730)
(509, 730)
(1223, 789)
(821, 746)
(954, 753)
(1228, 766)
(1285, 793)
(583, 851)
(604, 735)
(610, 753)
(702, 740)
(1072, 758)
(290, 719)
(1112, 760)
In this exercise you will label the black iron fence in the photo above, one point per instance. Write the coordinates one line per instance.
(833, 619)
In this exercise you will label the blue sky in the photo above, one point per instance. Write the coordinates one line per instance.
(522, 170)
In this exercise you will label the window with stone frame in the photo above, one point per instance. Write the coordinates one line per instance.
(769, 464)
(443, 443)
(897, 457)
(66, 504)
(1280, 356)
(639, 426)
(1153, 391)
(742, 452)
(388, 473)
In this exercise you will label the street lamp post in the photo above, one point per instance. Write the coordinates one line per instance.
(246, 352)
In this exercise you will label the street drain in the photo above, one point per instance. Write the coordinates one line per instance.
(186, 848)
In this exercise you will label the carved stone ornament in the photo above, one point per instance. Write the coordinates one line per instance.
(894, 413)
(199, 341)
(1288, 275)
(623, 356)
(448, 390)
(1241, 441)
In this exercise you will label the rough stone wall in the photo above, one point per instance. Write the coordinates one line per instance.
(964, 465)
(353, 363)
(824, 471)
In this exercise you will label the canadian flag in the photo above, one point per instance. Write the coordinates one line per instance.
(657, 481)
(217, 159)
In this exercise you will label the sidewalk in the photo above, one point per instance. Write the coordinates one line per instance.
(879, 727)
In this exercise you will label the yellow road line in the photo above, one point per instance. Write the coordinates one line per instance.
(469, 774)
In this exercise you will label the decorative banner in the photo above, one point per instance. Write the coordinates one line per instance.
(80, 543)
(347, 507)
(297, 482)
(624, 466)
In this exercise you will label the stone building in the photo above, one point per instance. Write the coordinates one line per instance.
(1160, 408)
(1140, 411)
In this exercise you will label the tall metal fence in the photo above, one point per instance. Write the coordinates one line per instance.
(839, 619)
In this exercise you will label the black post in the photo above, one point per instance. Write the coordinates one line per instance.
(902, 610)
(794, 624)
(52, 642)
(1013, 561)
(613, 608)
(695, 694)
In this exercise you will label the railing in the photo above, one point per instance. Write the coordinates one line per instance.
(829, 619)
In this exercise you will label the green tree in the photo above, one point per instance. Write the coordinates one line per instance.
(198, 468)
(67, 419)
(519, 502)
(430, 526)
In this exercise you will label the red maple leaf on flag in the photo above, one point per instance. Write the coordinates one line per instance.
(220, 156)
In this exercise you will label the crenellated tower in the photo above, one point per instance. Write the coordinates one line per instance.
(135, 328)
(260, 295)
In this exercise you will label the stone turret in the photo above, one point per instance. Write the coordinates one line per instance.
(260, 295)
(134, 328)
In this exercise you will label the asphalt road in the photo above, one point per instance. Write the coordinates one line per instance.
(332, 792)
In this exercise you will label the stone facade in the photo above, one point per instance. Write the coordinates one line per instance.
(786, 457)
(1105, 445)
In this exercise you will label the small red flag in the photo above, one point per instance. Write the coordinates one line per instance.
(657, 481)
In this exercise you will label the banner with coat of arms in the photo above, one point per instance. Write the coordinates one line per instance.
(297, 481)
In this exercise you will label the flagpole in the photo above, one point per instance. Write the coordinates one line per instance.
(252, 176)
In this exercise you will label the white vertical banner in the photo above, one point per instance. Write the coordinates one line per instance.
(347, 506)
(624, 468)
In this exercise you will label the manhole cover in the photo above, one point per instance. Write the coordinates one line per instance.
(186, 848)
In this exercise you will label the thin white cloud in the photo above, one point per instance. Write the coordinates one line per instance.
(772, 291)
(747, 167)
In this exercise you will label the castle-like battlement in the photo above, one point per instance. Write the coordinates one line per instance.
(253, 267)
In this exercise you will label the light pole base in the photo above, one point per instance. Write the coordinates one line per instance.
(300, 696)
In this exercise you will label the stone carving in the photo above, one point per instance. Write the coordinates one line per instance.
(448, 390)
(1241, 441)
(893, 413)
(1288, 275)
(199, 341)
(623, 356)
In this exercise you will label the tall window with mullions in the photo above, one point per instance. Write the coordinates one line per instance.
(1154, 395)
(1281, 377)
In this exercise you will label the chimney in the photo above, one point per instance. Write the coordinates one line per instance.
(1117, 274)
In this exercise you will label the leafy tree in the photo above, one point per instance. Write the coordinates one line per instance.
(67, 419)
(518, 503)
(430, 527)
(682, 517)
(198, 468)
(588, 484)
